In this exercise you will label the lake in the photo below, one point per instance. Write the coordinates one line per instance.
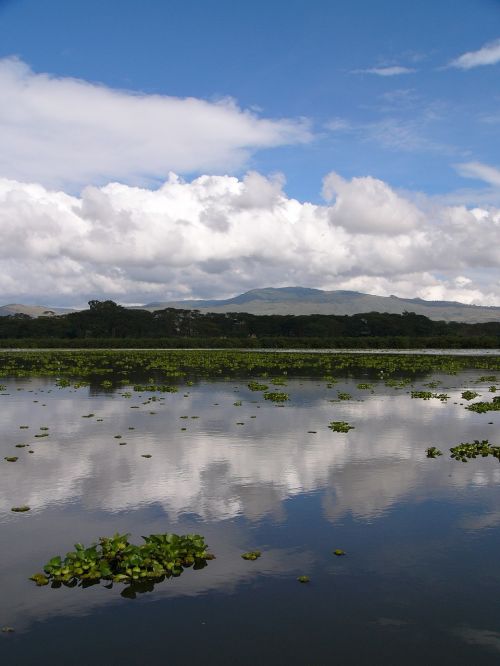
(418, 584)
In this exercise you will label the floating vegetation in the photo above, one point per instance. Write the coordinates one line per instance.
(342, 395)
(466, 451)
(487, 378)
(303, 579)
(238, 403)
(278, 381)
(255, 386)
(276, 396)
(11, 458)
(427, 395)
(434, 384)
(118, 560)
(433, 452)
(24, 427)
(155, 388)
(469, 395)
(492, 389)
(145, 455)
(41, 434)
(340, 426)
(106, 383)
(87, 416)
(21, 509)
(482, 407)
(338, 552)
(252, 555)
(398, 383)
(8, 630)
(364, 387)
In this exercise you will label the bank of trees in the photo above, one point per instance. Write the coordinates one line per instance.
(107, 320)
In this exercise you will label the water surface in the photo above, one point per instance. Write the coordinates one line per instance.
(420, 579)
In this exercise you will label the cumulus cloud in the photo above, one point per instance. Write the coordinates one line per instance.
(63, 131)
(218, 235)
(489, 54)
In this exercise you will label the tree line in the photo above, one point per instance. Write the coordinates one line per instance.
(113, 322)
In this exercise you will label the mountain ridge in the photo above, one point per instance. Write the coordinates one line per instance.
(303, 301)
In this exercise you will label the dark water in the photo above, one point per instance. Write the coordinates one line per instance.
(420, 583)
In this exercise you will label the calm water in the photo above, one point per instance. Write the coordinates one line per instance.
(419, 584)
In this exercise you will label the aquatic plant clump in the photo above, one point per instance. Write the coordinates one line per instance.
(482, 407)
(340, 426)
(427, 395)
(433, 452)
(469, 395)
(252, 555)
(466, 450)
(116, 559)
(276, 396)
(143, 388)
(255, 386)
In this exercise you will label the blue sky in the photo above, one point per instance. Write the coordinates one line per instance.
(400, 92)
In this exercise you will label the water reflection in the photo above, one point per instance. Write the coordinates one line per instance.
(235, 469)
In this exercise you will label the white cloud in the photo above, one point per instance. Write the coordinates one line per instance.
(62, 131)
(394, 70)
(480, 171)
(217, 235)
(489, 54)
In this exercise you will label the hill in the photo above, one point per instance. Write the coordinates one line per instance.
(304, 301)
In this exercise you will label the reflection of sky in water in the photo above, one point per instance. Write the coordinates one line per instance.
(266, 483)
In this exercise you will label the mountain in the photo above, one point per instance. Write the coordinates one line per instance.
(31, 310)
(303, 301)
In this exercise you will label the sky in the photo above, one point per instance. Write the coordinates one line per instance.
(161, 150)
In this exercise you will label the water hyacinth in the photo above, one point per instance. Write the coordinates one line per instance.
(340, 426)
(118, 560)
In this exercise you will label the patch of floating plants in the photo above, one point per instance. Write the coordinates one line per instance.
(119, 561)
(339, 552)
(252, 555)
(341, 395)
(155, 388)
(255, 386)
(21, 509)
(11, 458)
(465, 451)
(482, 407)
(276, 396)
(340, 426)
(428, 395)
(304, 579)
(469, 395)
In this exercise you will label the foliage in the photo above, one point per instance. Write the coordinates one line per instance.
(252, 555)
(255, 386)
(116, 559)
(106, 320)
(427, 395)
(482, 407)
(469, 395)
(465, 451)
(433, 452)
(340, 426)
(276, 396)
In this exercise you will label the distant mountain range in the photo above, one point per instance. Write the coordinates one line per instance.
(304, 301)
(32, 310)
